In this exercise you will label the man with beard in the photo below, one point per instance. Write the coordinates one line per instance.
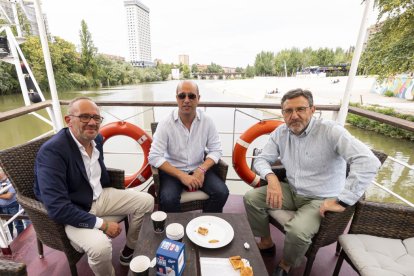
(73, 183)
(178, 151)
(314, 153)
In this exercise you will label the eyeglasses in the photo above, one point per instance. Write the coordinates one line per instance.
(182, 96)
(85, 118)
(299, 110)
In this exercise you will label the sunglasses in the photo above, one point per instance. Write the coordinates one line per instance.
(182, 96)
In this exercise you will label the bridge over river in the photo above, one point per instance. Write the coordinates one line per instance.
(218, 76)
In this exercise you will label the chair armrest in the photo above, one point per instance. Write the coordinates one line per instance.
(388, 220)
(332, 226)
(156, 178)
(48, 231)
(221, 169)
(116, 178)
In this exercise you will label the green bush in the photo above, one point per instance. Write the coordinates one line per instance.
(389, 93)
(385, 129)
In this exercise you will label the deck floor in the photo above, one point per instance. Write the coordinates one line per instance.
(54, 262)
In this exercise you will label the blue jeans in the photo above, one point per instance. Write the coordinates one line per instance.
(171, 188)
(12, 209)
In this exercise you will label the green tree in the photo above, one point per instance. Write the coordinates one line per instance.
(390, 50)
(194, 68)
(264, 64)
(239, 70)
(325, 57)
(186, 71)
(250, 71)
(8, 79)
(165, 70)
(214, 68)
(88, 52)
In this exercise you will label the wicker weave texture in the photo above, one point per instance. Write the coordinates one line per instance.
(387, 220)
(11, 268)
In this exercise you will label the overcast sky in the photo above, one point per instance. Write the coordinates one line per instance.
(226, 32)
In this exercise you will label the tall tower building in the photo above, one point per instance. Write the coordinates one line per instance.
(139, 35)
(184, 59)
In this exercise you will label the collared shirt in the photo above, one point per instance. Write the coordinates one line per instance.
(315, 161)
(183, 148)
(92, 166)
(93, 171)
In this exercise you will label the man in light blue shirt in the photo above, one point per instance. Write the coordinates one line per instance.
(178, 151)
(314, 153)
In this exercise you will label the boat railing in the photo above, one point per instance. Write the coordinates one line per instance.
(5, 238)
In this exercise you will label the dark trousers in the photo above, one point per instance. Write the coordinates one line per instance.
(171, 188)
(12, 209)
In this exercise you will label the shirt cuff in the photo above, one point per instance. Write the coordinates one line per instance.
(98, 223)
(160, 162)
(213, 157)
(265, 172)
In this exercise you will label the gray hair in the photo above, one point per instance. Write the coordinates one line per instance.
(72, 102)
(298, 92)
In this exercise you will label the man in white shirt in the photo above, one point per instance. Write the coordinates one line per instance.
(73, 183)
(178, 151)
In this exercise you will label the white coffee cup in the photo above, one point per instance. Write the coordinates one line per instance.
(158, 220)
(140, 265)
(175, 231)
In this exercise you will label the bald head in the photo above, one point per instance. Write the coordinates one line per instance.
(187, 85)
(73, 106)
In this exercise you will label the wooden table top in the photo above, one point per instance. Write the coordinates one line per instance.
(148, 242)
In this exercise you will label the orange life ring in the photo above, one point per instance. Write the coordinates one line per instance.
(242, 144)
(143, 139)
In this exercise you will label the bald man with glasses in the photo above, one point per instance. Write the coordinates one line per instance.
(314, 153)
(73, 183)
(178, 148)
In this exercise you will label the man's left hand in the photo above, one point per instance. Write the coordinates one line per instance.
(330, 205)
(200, 176)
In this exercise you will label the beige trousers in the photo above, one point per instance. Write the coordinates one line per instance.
(299, 230)
(112, 205)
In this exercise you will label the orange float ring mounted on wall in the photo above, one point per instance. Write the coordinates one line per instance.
(143, 139)
(242, 144)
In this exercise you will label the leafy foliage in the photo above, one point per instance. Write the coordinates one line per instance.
(264, 64)
(390, 50)
(88, 52)
(214, 68)
(378, 127)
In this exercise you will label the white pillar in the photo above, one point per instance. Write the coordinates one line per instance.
(355, 61)
(49, 69)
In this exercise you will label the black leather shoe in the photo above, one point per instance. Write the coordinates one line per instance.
(279, 272)
(268, 251)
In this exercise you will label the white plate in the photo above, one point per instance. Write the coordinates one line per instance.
(218, 229)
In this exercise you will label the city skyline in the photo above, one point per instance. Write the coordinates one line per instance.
(229, 33)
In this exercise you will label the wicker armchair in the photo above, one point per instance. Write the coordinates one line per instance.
(18, 163)
(332, 225)
(189, 200)
(11, 268)
(386, 220)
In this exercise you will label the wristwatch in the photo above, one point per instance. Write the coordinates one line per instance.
(343, 204)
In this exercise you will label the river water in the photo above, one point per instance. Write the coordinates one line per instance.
(122, 152)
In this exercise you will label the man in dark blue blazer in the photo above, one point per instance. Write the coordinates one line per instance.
(73, 183)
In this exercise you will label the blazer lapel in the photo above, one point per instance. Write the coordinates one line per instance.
(77, 155)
